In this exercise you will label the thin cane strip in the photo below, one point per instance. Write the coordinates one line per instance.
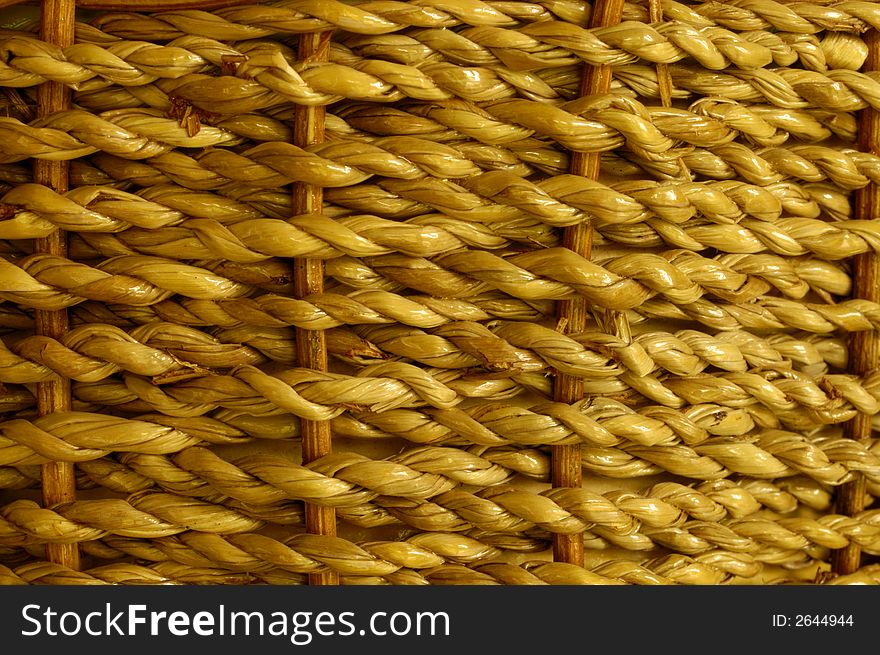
(864, 347)
(566, 468)
(655, 12)
(58, 481)
(311, 345)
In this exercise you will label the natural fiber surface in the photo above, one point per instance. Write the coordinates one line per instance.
(402, 203)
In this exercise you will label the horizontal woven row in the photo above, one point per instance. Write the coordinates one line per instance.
(714, 433)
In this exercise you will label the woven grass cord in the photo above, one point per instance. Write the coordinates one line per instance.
(439, 292)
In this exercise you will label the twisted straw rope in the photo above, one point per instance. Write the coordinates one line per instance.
(388, 75)
(658, 498)
(616, 434)
(593, 124)
(523, 154)
(49, 573)
(513, 347)
(438, 118)
(251, 553)
(223, 228)
(612, 282)
(526, 46)
(498, 424)
(793, 277)
(839, 90)
(689, 29)
(84, 436)
(135, 134)
(798, 233)
(812, 163)
(739, 497)
(602, 423)
(666, 570)
(649, 454)
(846, 168)
(389, 385)
(136, 471)
(166, 351)
(19, 478)
(625, 570)
(746, 113)
(456, 122)
(678, 276)
(305, 393)
(297, 16)
(146, 515)
(94, 352)
(549, 84)
(475, 273)
(803, 18)
(525, 49)
(869, 575)
(714, 567)
(764, 166)
(268, 67)
(51, 282)
(303, 553)
(781, 87)
(502, 197)
(517, 510)
(518, 346)
(195, 470)
(377, 306)
(504, 345)
(484, 198)
(491, 183)
(789, 237)
(616, 446)
(743, 113)
(687, 354)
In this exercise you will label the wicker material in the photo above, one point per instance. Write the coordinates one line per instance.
(340, 291)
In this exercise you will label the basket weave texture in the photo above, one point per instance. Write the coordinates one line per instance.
(440, 292)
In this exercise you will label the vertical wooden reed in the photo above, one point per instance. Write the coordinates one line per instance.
(664, 79)
(864, 347)
(311, 345)
(58, 482)
(566, 460)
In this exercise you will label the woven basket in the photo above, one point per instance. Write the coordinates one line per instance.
(439, 292)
